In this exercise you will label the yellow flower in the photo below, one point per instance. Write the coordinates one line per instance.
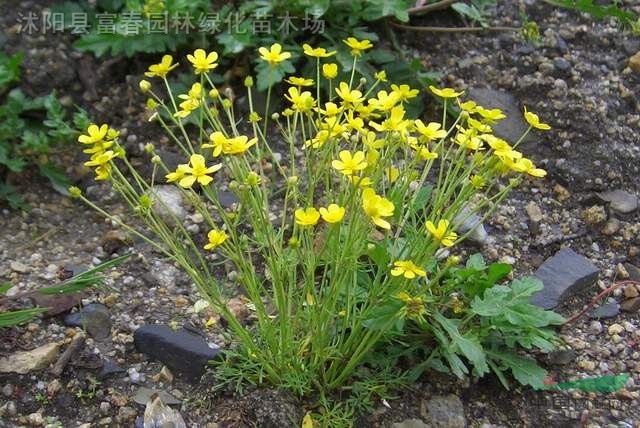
(392, 173)
(178, 174)
(384, 100)
(357, 46)
(348, 164)
(469, 106)
(301, 102)
(525, 165)
(533, 120)
(394, 123)
(216, 238)
(441, 233)
(192, 100)
(299, 81)
(94, 135)
(492, 115)
(431, 131)
(317, 52)
(468, 139)
(274, 54)
(197, 170)
(203, 61)
(423, 151)
(162, 68)
(101, 159)
(377, 207)
(330, 71)
(238, 145)
(218, 139)
(407, 269)
(349, 96)
(330, 109)
(332, 214)
(479, 126)
(445, 92)
(361, 182)
(404, 92)
(381, 76)
(308, 217)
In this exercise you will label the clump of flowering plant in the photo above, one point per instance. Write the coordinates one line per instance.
(335, 242)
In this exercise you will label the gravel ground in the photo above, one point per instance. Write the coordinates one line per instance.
(577, 79)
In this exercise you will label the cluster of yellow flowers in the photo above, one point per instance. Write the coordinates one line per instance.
(359, 126)
(101, 145)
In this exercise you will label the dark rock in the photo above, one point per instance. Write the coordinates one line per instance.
(620, 200)
(109, 368)
(561, 357)
(631, 305)
(182, 351)
(631, 45)
(561, 64)
(562, 45)
(94, 318)
(227, 199)
(563, 274)
(610, 309)
(514, 125)
(57, 303)
(633, 271)
(445, 412)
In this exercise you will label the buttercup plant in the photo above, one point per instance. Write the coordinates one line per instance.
(366, 201)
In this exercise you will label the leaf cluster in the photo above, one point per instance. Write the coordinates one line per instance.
(30, 129)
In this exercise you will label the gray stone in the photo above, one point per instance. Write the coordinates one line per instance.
(94, 318)
(610, 309)
(562, 275)
(620, 200)
(561, 357)
(561, 64)
(227, 199)
(182, 351)
(158, 414)
(631, 45)
(535, 217)
(28, 361)
(109, 368)
(168, 202)
(471, 223)
(143, 396)
(410, 423)
(511, 128)
(445, 412)
(631, 305)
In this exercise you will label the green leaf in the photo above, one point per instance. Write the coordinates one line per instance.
(476, 261)
(526, 371)
(421, 199)
(469, 348)
(498, 271)
(9, 69)
(595, 10)
(4, 288)
(384, 316)
(59, 181)
(13, 318)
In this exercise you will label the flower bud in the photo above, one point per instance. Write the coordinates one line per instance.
(145, 86)
(75, 192)
(226, 103)
(275, 116)
(293, 242)
(233, 185)
(363, 80)
(151, 104)
(156, 160)
(248, 81)
(214, 93)
(292, 180)
(149, 148)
